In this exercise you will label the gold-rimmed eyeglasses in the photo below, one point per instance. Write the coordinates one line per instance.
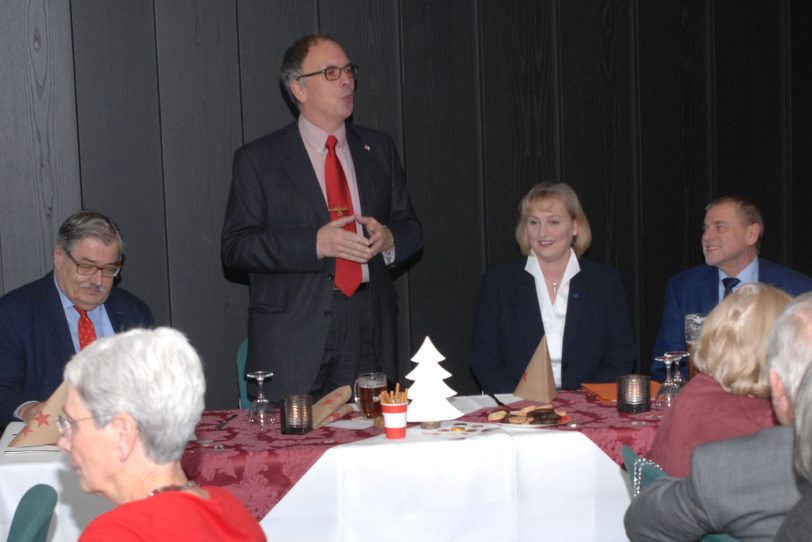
(66, 426)
(333, 73)
(89, 269)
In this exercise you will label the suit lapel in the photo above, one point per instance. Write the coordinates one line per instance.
(526, 302)
(709, 290)
(56, 321)
(299, 169)
(364, 171)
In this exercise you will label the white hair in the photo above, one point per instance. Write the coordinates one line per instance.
(803, 426)
(155, 376)
(789, 344)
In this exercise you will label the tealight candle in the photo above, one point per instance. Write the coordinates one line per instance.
(633, 393)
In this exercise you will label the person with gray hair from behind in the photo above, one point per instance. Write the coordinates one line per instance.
(43, 323)
(745, 486)
(133, 401)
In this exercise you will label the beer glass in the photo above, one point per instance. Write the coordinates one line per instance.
(368, 388)
(693, 326)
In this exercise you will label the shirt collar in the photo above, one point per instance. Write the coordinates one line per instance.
(573, 267)
(316, 138)
(747, 275)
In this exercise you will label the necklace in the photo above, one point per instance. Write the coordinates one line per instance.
(188, 485)
(555, 288)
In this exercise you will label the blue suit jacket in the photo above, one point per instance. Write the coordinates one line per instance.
(598, 344)
(697, 290)
(35, 342)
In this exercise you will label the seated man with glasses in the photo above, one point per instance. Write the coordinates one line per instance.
(45, 322)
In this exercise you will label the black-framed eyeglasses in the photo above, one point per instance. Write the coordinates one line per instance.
(66, 426)
(89, 269)
(333, 73)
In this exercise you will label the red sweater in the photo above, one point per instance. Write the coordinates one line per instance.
(177, 515)
(703, 413)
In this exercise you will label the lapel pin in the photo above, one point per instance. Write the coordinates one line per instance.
(366, 147)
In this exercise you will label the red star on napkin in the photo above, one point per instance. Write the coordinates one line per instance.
(42, 419)
(524, 376)
(25, 430)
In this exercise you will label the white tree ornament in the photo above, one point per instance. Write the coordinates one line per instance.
(429, 393)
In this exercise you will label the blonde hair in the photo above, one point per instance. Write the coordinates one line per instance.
(732, 347)
(543, 194)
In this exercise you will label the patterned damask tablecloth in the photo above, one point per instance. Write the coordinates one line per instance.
(258, 467)
(599, 421)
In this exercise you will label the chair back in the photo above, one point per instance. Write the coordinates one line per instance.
(33, 515)
(641, 471)
(242, 358)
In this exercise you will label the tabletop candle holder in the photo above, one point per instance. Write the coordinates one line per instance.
(633, 393)
(297, 414)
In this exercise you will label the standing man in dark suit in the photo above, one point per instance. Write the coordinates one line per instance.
(45, 322)
(317, 214)
(745, 486)
(731, 238)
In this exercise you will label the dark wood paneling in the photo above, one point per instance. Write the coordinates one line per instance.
(600, 123)
(443, 147)
(677, 147)
(749, 111)
(799, 245)
(39, 165)
(200, 118)
(119, 127)
(521, 133)
(267, 29)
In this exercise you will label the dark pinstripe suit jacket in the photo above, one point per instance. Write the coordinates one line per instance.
(275, 208)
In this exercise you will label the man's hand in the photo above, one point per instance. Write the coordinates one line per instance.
(333, 241)
(380, 237)
(30, 411)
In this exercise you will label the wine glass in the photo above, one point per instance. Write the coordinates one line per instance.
(668, 390)
(677, 356)
(261, 411)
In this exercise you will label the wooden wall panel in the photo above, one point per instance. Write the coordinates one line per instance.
(200, 118)
(750, 122)
(600, 143)
(797, 204)
(39, 164)
(267, 29)
(677, 157)
(521, 116)
(119, 128)
(443, 149)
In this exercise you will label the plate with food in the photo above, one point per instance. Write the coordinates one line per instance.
(529, 417)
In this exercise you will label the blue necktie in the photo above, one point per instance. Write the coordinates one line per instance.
(729, 283)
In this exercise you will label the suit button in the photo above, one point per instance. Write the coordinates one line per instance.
(330, 276)
(564, 365)
(328, 313)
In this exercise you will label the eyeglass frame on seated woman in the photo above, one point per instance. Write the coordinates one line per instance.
(65, 425)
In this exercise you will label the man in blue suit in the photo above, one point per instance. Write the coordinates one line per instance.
(43, 323)
(731, 238)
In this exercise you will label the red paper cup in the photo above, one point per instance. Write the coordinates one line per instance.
(394, 420)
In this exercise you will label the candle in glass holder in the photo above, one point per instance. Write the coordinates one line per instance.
(297, 414)
(633, 393)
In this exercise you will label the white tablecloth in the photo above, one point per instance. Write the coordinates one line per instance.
(498, 485)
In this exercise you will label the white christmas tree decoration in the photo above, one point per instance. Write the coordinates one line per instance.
(429, 393)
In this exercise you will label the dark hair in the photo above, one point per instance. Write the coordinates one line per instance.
(89, 224)
(748, 211)
(293, 59)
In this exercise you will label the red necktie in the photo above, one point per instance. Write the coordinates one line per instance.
(339, 203)
(87, 333)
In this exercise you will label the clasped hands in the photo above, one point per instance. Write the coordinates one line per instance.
(333, 241)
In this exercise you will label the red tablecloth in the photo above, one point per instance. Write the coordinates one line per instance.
(258, 467)
(601, 422)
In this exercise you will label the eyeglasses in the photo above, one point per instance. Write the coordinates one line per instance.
(66, 426)
(89, 269)
(333, 73)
